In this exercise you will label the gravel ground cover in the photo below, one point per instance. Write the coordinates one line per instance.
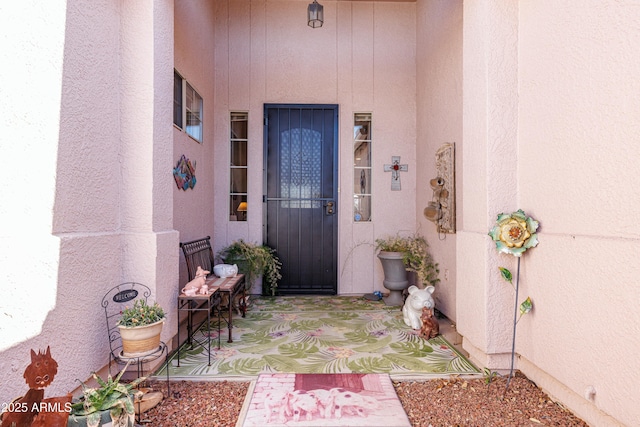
(441, 402)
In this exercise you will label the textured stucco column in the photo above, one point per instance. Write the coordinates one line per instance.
(150, 245)
(88, 204)
(489, 156)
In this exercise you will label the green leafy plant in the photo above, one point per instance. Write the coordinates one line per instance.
(141, 314)
(489, 375)
(110, 395)
(254, 260)
(415, 255)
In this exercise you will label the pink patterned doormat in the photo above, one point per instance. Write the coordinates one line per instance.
(322, 400)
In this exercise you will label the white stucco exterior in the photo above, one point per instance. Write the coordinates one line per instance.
(86, 122)
(539, 97)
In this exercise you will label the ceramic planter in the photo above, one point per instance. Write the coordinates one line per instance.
(395, 276)
(103, 420)
(139, 341)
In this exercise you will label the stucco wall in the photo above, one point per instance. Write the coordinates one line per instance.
(362, 59)
(29, 143)
(85, 105)
(550, 126)
(194, 53)
(578, 174)
(438, 121)
(489, 183)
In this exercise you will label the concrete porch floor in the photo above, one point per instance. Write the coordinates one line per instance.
(449, 331)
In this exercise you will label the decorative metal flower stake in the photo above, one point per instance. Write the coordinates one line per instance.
(513, 234)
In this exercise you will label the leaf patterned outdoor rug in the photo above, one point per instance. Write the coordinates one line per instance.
(319, 334)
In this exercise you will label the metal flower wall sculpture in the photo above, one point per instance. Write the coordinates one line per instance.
(513, 234)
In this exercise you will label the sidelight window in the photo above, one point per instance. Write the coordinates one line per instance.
(362, 167)
(239, 125)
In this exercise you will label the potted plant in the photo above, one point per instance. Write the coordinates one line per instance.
(254, 260)
(110, 402)
(401, 254)
(140, 327)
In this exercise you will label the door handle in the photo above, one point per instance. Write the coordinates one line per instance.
(328, 208)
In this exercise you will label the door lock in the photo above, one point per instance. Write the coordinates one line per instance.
(329, 208)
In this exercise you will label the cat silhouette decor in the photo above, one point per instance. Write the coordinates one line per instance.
(32, 409)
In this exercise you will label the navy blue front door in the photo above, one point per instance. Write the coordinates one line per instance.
(301, 188)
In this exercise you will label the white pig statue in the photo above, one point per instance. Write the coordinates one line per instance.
(417, 299)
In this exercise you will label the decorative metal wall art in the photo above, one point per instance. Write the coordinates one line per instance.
(442, 208)
(185, 173)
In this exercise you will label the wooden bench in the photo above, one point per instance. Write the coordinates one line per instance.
(198, 253)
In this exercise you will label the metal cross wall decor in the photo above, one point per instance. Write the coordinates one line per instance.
(395, 168)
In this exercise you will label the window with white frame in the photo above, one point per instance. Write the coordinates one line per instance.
(239, 125)
(362, 167)
(187, 107)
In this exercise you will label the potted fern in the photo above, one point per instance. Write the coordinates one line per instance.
(140, 327)
(254, 260)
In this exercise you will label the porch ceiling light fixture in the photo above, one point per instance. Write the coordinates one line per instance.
(315, 14)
